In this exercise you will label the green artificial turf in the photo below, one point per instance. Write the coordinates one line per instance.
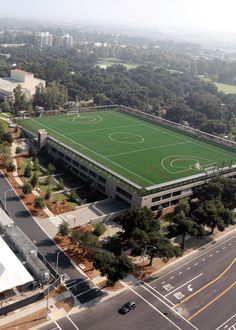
(144, 152)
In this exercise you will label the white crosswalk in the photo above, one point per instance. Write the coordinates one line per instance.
(56, 221)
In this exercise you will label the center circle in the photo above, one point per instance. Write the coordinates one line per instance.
(126, 138)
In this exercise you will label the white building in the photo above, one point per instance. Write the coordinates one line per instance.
(19, 77)
(43, 39)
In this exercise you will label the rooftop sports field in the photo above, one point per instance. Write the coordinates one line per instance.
(144, 152)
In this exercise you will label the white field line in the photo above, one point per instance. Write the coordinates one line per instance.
(62, 135)
(183, 284)
(145, 149)
(226, 322)
(96, 153)
(173, 310)
(100, 129)
(175, 135)
(139, 295)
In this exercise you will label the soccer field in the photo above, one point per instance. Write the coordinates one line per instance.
(144, 152)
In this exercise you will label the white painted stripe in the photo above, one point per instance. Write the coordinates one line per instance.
(197, 257)
(84, 292)
(173, 310)
(170, 302)
(72, 322)
(58, 325)
(226, 321)
(139, 295)
(180, 273)
(183, 284)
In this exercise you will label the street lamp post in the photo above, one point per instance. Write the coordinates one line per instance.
(5, 198)
(144, 254)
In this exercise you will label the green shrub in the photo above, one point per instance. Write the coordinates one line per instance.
(18, 150)
(72, 197)
(11, 167)
(99, 229)
(27, 188)
(28, 171)
(39, 203)
(48, 194)
(64, 228)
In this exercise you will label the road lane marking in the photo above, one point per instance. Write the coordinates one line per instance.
(208, 284)
(196, 263)
(217, 251)
(170, 302)
(139, 295)
(210, 255)
(197, 257)
(183, 285)
(72, 322)
(188, 268)
(172, 277)
(226, 322)
(180, 273)
(212, 301)
(173, 310)
(231, 264)
(203, 259)
(58, 325)
(223, 248)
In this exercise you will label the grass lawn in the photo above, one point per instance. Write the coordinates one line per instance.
(59, 197)
(227, 89)
(144, 152)
(3, 123)
(106, 62)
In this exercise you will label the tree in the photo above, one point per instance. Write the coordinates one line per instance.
(20, 102)
(64, 228)
(34, 179)
(142, 218)
(48, 194)
(213, 214)
(27, 188)
(182, 224)
(72, 197)
(39, 203)
(115, 268)
(36, 164)
(28, 170)
(164, 249)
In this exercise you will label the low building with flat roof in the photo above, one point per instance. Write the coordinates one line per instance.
(19, 77)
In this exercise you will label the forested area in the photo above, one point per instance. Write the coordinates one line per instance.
(165, 81)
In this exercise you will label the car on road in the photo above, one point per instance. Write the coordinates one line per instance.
(127, 307)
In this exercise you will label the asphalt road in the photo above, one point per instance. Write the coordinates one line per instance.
(195, 293)
(47, 248)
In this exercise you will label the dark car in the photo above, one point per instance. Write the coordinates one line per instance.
(127, 307)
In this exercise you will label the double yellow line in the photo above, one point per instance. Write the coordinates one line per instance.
(206, 286)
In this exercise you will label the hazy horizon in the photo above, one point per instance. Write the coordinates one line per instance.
(211, 15)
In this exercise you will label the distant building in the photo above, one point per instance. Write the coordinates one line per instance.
(19, 77)
(63, 41)
(43, 39)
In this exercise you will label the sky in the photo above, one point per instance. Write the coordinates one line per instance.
(191, 14)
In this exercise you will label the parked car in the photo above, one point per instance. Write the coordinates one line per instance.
(127, 307)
